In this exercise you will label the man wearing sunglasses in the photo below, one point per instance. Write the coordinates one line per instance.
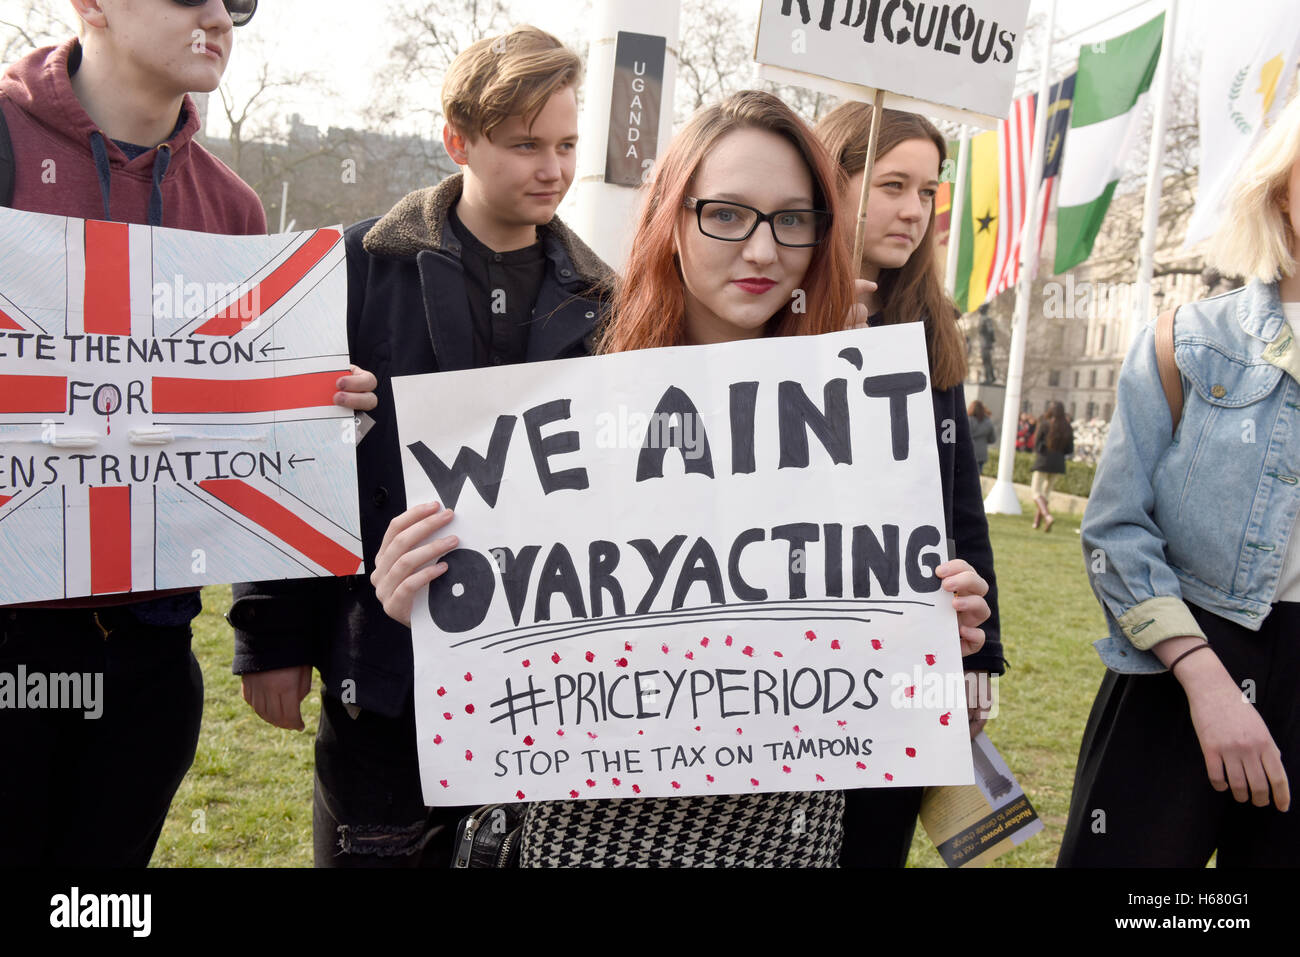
(101, 128)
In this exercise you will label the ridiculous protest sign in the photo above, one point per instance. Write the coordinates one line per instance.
(958, 55)
(686, 571)
(166, 408)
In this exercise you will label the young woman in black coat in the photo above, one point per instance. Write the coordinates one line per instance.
(899, 256)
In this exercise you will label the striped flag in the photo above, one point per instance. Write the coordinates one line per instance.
(1111, 89)
(1058, 122)
(979, 224)
(1015, 149)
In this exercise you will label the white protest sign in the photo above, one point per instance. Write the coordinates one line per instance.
(685, 571)
(956, 55)
(166, 408)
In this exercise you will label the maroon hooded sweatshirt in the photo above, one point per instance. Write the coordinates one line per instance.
(66, 166)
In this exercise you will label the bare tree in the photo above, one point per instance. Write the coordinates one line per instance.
(430, 39)
(35, 23)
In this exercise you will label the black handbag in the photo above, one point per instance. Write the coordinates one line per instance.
(490, 836)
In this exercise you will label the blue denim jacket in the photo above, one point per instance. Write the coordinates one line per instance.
(1205, 516)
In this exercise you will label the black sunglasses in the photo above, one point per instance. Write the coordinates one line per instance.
(241, 11)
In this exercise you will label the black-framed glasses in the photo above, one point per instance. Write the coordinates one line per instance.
(736, 222)
(241, 11)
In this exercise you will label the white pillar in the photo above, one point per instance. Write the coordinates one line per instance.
(1002, 497)
(1141, 304)
(604, 214)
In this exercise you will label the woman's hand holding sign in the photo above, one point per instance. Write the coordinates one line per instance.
(860, 311)
(968, 591)
(404, 565)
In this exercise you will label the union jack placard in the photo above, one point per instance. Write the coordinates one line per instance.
(166, 408)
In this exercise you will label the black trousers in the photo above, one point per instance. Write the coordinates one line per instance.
(367, 806)
(1142, 797)
(78, 791)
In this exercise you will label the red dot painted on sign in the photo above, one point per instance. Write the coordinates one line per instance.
(728, 641)
(835, 644)
(664, 649)
(627, 646)
(677, 786)
(573, 794)
(441, 692)
(820, 778)
(437, 739)
(929, 659)
(754, 781)
(796, 730)
(640, 732)
(636, 789)
(810, 635)
(560, 732)
(778, 654)
(888, 776)
(740, 731)
(704, 642)
(909, 691)
(447, 715)
(469, 755)
(861, 765)
(709, 778)
(468, 676)
(748, 651)
(520, 795)
(690, 655)
(785, 768)
(842, 724)
(528, 740)
(910, 752)
(590, 783)
(616, 781)
(526, 662)
(943, 718)
(621, 662)
(590, 656)
(875, 643)
(469, 709)
(556, 657)
(443, 783)
(592, 735)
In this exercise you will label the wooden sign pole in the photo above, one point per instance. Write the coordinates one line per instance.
(877, 108)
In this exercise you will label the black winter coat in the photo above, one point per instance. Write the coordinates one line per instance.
(407, 315)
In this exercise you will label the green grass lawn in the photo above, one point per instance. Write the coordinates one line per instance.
(247, 800)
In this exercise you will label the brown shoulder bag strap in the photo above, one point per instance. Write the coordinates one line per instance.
(1170, 378)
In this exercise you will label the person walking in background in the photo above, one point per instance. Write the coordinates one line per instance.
(1025, 426)
(982, 432)
(1053, 444)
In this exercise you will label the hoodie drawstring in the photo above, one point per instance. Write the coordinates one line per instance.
(162, 160)
(103, 169)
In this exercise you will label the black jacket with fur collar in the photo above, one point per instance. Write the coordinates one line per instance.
(407, 315)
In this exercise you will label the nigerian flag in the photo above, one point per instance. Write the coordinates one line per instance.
(1109, 94)
(978, 235)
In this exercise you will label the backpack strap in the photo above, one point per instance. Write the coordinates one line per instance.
(1170, 378)
(6, 163)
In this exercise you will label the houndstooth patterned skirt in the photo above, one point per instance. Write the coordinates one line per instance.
(795, 829)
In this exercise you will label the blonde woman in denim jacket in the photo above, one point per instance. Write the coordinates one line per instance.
(1190, 544)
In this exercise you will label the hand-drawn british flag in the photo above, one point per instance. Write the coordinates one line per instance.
(166, 408)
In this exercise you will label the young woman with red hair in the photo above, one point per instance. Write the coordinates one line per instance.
(739, 215)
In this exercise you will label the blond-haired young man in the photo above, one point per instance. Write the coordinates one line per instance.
(423, 281)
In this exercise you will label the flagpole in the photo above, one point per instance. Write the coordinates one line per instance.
(1002, 498)
(1141, 304)
(958, 211)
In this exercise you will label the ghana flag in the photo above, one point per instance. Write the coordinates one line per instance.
(978, 230)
